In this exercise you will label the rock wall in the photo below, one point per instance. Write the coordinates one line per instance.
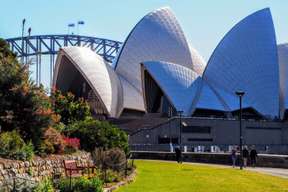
(39, 168)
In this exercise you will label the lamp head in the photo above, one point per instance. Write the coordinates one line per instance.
(239, 93)
(29, 31)
(71, 25)
(180, 112)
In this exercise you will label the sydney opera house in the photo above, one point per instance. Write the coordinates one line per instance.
(158, 71)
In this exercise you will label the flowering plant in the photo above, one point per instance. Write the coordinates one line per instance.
(72, 142)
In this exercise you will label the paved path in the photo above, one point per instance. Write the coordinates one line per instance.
(271, 171)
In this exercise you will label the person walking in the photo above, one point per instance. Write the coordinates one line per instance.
(171, 147)
(233, 157)
(245, 153)
(178, 154)
(253, 156)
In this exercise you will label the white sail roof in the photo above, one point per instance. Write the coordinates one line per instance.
(283, 68)
(207, 99)
(198, 61)
(132, 98)
(246, 59)
(158, 37)
(99, 75)
(176, 82)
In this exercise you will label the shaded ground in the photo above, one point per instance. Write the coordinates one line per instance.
(159, 176)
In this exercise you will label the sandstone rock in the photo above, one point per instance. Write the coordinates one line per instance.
(27, 163)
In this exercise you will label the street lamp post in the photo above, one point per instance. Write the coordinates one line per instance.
(27, 48)
(170, 132)
(169, 118)
(70, 25)
(29, 32)
(22, 38)
(79, 23)
(180, 128)
(240, 94)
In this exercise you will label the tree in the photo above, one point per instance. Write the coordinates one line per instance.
(24, 106)
(70, 108)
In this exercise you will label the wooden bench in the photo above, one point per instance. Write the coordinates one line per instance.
(72, 170)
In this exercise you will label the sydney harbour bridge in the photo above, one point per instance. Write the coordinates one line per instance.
(40, 51)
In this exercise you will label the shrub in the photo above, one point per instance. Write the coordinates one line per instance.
(115, 159)
(10, 142)
(29, 150)
(52, 143)
(26, 153)
(13, 146)
(64, 184)
(97, 184)
(98, 156)
(111, 176)
(69, 107)
(81, 184)
(45, 185)
(71, 144)
(60, 126)
(97, 134)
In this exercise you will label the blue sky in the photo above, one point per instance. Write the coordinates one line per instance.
(204, 22)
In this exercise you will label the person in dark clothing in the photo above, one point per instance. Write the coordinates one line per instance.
(253, 156)
(178, 154)
(245, 153)
(233, 157)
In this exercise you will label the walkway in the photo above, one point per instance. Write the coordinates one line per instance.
(271, 171)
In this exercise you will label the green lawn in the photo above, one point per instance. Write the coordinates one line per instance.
(171, 177)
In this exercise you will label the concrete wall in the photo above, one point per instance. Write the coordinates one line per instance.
(224, 132)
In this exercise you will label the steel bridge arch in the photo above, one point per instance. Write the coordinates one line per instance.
(35, 46)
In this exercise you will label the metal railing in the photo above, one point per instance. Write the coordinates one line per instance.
(210, 148)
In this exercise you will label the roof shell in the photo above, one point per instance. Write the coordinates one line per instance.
(198, 61)
(158, 37)
(283, 69)
(130, 96)
(207, 99)
(246, 59)
(98, 74)
(176, 82)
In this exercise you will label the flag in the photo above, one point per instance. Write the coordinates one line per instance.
(80, 22)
